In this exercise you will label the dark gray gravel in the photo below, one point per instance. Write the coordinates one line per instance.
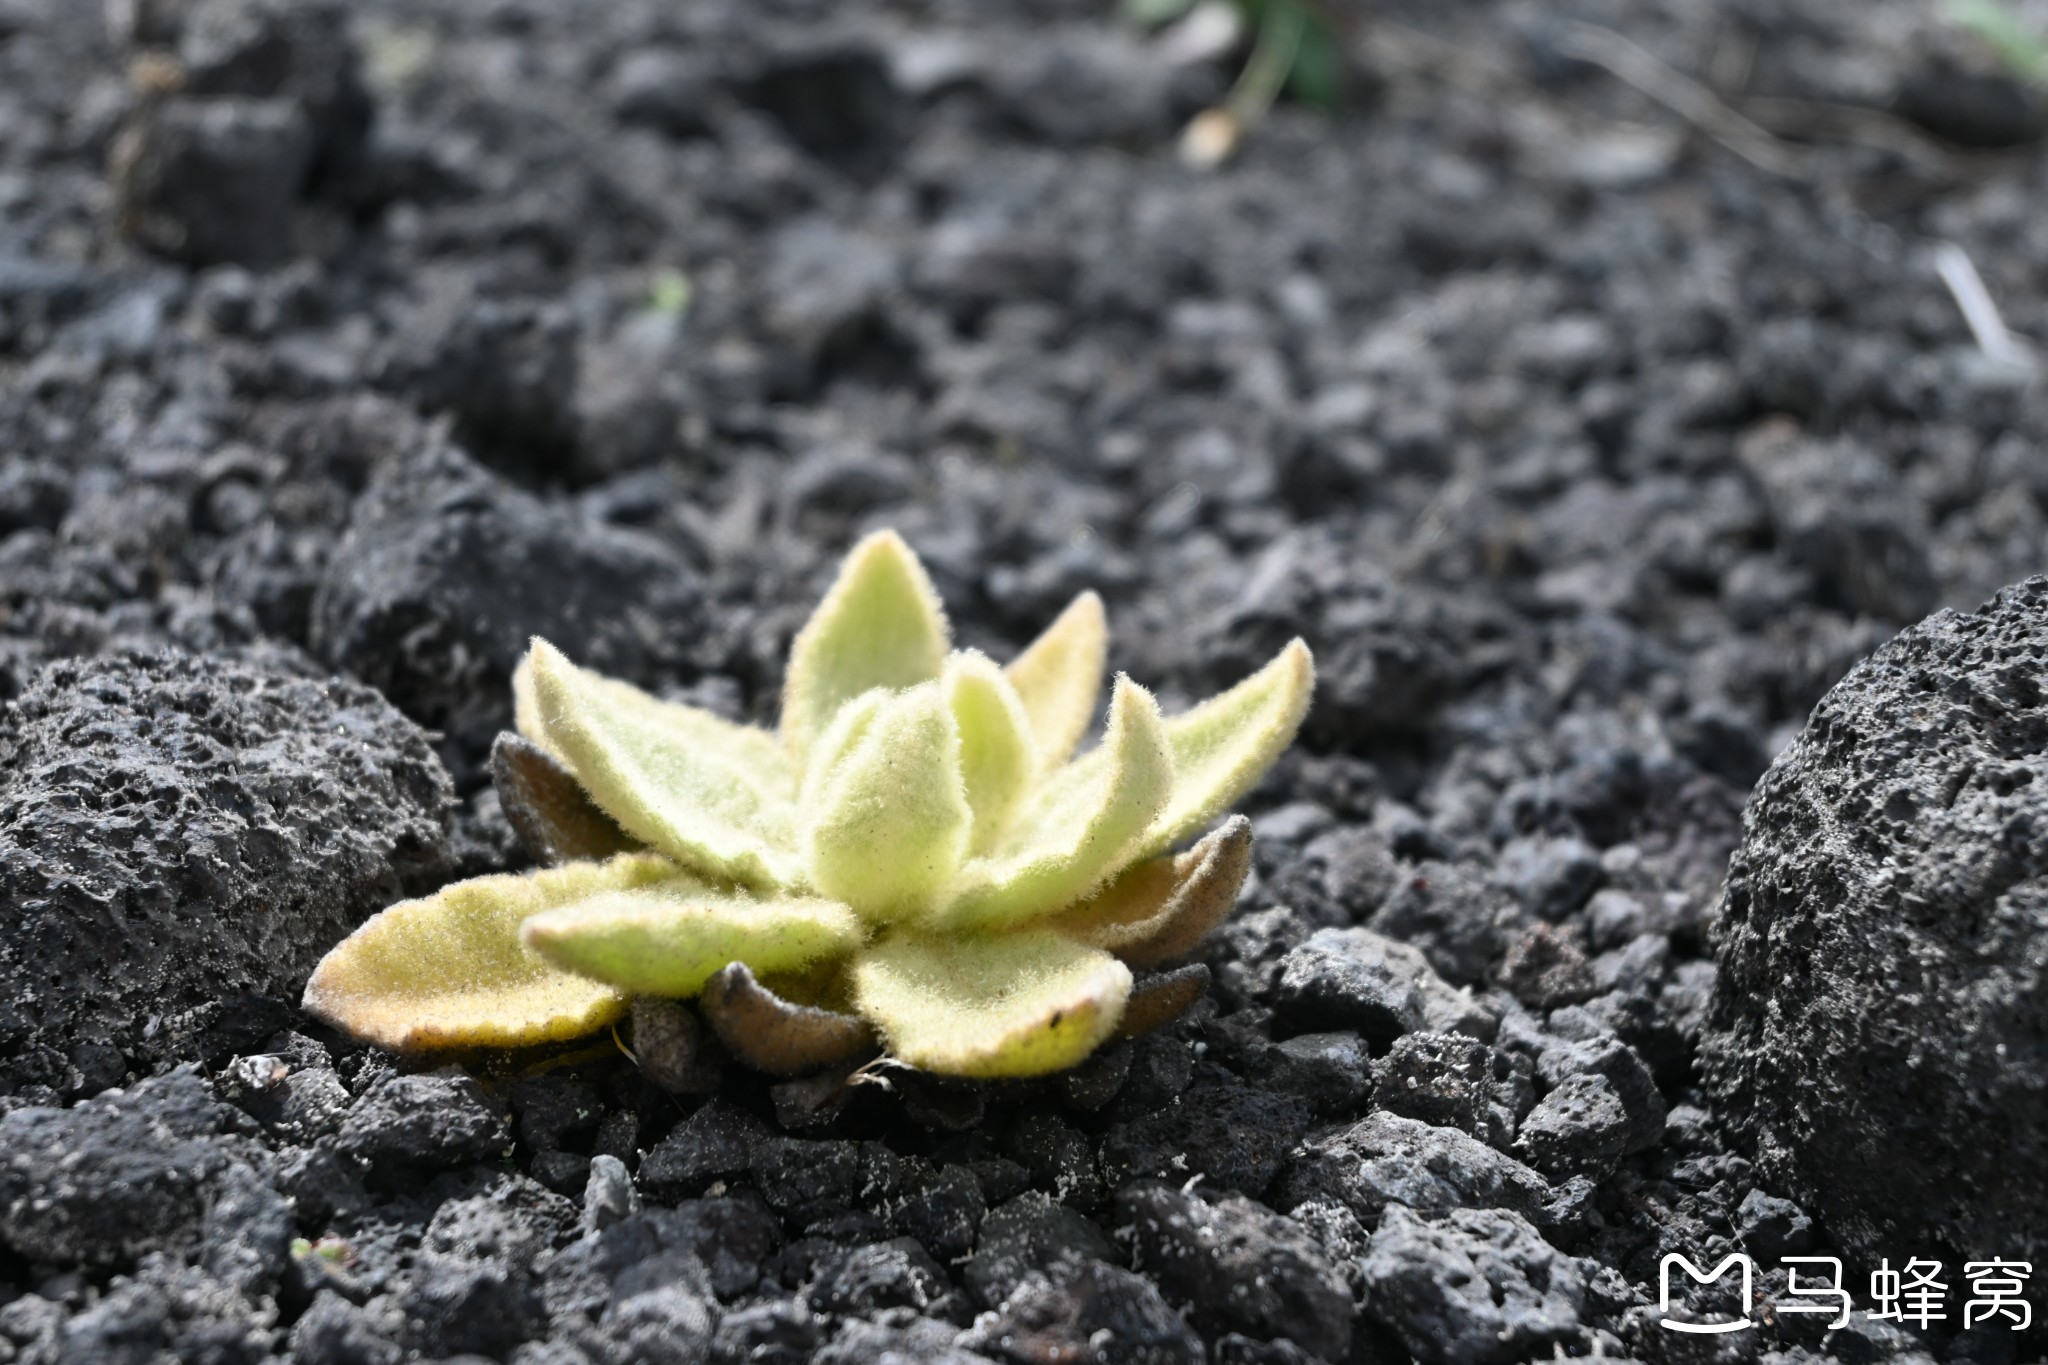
(1236, 1266)
(344, 346)
(1473, 1286)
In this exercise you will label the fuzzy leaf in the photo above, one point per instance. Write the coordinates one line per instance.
(1164, 907)
(525, 705)
(1059, 677)
(1081, 827)
(829, 752)
(1224, 746)
(1019, 1004)
(997, 758)
(889, 827)
(545, 805)
(449, 970)
(880, 625)
(668, 939)
(779, 1036)
(1159, 998)
(716, 796)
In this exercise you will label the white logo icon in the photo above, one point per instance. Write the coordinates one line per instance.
(1704, 1277)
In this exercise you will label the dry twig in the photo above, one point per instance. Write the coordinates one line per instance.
(1684, 96)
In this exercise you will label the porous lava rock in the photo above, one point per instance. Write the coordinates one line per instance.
(1878, 1034)
(181, 838)
(159, 1168)
(1472, 1286)
(447, 572)
(1239, 1267)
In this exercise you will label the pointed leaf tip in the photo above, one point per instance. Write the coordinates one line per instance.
(1021, 1004)
(525, 704)
(449, 970)
(1059, 677)
(998, 759)
(1081, 827)
(716, 796)
(670, 938)
(1223, 747)
(879, 625)
(889, 825)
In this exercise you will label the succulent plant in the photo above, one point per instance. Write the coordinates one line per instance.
(916, 855)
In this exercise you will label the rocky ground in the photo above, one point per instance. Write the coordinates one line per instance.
(344, 347)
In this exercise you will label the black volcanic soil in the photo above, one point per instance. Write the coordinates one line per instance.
(342, 349)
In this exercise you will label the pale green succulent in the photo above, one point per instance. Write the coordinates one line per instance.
(915, 852)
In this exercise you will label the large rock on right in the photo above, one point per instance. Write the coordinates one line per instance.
(1879, 1028)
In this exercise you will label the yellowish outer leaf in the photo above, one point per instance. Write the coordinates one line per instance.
(1081, 828)
(715, 796)
(880, 625)
(1059, 677)
(998, 760)
(1224, 746)
(1020, 1004)
(888, 828)
(1164, 907)
(449, 970)
(760, 751)
(668, 939)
